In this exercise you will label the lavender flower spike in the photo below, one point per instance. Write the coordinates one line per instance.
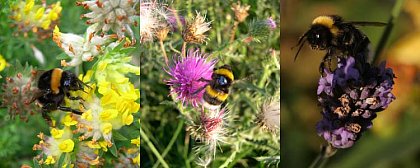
(350, 97)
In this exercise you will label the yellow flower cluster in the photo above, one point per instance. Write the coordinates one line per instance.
(31, 16)
(60, 142)
(115, 104)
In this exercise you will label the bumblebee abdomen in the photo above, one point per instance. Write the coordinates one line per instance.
(213, 96)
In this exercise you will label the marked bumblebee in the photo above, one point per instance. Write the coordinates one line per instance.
(338, 37)
(217, 89)
(54, 86)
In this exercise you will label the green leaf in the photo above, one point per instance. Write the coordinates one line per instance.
(36, 164)
(113, 149)
(62, 56)
(169, 103)
(61, 160)
(118, 136)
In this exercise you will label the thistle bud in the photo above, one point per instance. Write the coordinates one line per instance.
(241, 12)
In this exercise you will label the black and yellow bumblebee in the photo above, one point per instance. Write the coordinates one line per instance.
(217, 89)
(339, 38)
(53, 87)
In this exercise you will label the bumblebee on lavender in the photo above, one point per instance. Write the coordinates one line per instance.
(54, 86)
(338, 37)
(217, 89)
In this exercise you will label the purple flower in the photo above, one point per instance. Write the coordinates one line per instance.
(271, 23)
(325, 83)
(350, 97)
(173, 18)
(188, 75)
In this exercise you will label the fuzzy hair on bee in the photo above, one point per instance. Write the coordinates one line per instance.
(338, 37)
(217, 90)
(53, 87)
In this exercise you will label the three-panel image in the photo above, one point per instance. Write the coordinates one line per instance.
(196, 83)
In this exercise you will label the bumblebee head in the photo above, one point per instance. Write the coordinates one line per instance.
(71, 82)
(319, 37)
(221, 80)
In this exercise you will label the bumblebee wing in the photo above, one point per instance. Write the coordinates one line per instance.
(368, 23)
(37, 94)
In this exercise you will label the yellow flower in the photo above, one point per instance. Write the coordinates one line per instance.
(29, 5)
(39, 13)
(108, 114)
(110, 98)
(87, 115)
(49, 160)
(106, 128)
(104, 145)
(56, 10)
(94, 162)
(46, 24)
(3, 63)
(57, 36)
(136, 160)
(69, 120)
(136, 141)
(93, 145)
(56, 133)
(127, 119)
(66, 146)
(65, 165)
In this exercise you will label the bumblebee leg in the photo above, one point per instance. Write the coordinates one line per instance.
(329, 64)
(70, 110)
(204, 80)
(47, 117)
(327, 57)
(74, 98)
(199, 90)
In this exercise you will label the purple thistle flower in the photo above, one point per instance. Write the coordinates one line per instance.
(173, 22)
(271, 23)
(350, 97)
(187, 76)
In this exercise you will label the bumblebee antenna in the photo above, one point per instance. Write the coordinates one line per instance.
(300, 43)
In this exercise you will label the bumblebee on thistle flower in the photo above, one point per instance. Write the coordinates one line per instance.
(195, 80)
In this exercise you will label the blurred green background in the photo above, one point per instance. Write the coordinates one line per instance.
(394, 139)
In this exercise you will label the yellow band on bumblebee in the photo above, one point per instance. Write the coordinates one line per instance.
(55, 80)
(218, 95)
(225, 72)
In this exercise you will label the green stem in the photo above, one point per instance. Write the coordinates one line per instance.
(232, 33)
(162, 47)
(327, 151)
(171, 143)
(186, 147)
(267, 72)
(152, 147)
(387, 32)
(184, 46)
(231, 157)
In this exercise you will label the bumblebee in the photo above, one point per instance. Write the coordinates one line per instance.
(217, 89)
(338, 37)
(53, 87)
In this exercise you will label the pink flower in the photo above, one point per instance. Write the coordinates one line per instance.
(189, 75)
